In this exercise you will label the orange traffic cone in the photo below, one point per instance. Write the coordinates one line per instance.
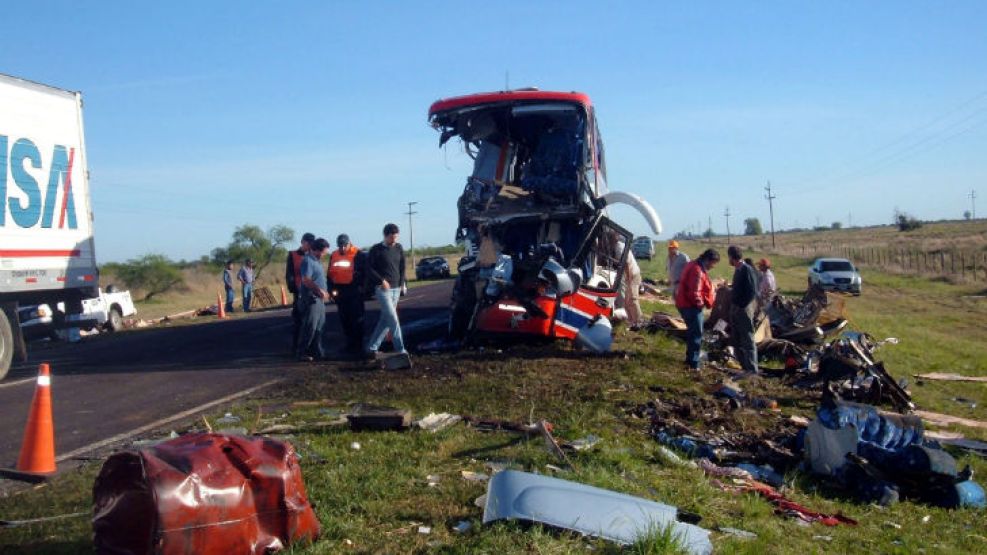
(284, 297)
(38, 449)
(221, 308)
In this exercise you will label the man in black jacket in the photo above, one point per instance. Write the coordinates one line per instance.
(743, 297)
(385, 272)
(293, 280)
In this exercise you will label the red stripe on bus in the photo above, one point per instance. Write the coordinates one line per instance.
(22, 253)
(67, 190)
(31, 280)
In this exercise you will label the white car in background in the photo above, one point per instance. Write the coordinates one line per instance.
(835, 274)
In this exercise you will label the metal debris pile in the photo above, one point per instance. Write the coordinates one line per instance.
(876, 454)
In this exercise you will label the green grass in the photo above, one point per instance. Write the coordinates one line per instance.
(373, 500)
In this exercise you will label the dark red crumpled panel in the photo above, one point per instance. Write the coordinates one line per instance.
(202, 494)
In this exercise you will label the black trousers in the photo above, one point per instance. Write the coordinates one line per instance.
(349, 304)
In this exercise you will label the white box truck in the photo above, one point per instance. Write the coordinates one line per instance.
(46, 222)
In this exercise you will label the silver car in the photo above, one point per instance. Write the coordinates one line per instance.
(643, 248)
(835, 274)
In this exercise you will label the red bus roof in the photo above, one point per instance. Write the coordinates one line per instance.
(508, 96)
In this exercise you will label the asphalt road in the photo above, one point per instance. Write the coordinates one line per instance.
(106, 387)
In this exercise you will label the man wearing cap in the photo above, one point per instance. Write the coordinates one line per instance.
(314, 292)
(293, 280)
(767, 287)
(676, 263)
(347, 273)
(246, 278)
(385, 272)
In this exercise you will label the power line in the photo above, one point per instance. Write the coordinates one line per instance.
(726, 214)
(411, 231)
(771, 208)
(904, 137)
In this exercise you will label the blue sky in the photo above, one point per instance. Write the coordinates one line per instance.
(201, 116)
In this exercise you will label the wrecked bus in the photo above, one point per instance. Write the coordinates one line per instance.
(542, 256)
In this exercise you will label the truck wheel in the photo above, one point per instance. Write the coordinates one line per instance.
(6, 345)
(115, 321)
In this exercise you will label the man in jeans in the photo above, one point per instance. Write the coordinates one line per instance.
(385, 272)
(743, 303)
(246, 277)
(695, 293)
(228, 285)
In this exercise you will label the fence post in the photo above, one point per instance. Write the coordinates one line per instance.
(942, 261)
(963, 264)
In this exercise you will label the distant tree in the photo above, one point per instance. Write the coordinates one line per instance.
(836, 225)
(967, 215)
(250, 241)
(752, 226)
(708, 233)
(152, 274)
(905, 221)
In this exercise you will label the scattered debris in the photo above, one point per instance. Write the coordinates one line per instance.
(585, 509)
(823, 538)
(471, 476)
(433, 480)
(744, 534)
(581, 444)
(378, 418)
(882, 456)
(425, 530)
(938, 419)
(355, 446)
(545, 428)
(29, 521)
(942, 376)
(233, 494)
(437, 422)
(462, 527)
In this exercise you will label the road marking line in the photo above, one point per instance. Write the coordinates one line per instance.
(18, 382)
(163, 421)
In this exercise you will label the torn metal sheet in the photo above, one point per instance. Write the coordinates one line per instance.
(204, 494)
(585, 509)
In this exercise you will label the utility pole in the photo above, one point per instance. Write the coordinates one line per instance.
(849, 219)
(726, 214)
(973, 202)
(710, 230)
(411, 232)
(771, 209)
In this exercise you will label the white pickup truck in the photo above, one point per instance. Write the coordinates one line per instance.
(105, 312)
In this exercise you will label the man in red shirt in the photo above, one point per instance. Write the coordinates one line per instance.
(695, 293)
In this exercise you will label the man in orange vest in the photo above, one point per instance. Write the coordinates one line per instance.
(293, 280)
(347, 275)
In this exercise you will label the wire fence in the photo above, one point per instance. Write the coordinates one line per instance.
(957, 264)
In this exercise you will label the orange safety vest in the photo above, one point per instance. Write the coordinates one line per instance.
(296, 262)
(341, 266)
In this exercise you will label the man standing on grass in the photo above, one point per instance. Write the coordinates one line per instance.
(675, 264)
(312, 303)
(228, 285)
(293, 279)
(347, 274)
(246, 277)
(743, 297)
(695, 293)
(385, 272)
